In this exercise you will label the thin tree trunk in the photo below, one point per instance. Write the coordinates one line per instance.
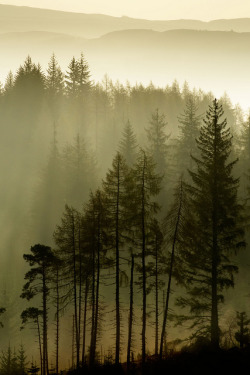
(73, 342)
(97, 294)
(171, 271)
(91, 356)
(117, 293)
(130, 321)
(80, 286)
(144, 291)
(75, 296)
(85, 320)
(156, 300)
(57, 320)
(40, 345)
(45, 352)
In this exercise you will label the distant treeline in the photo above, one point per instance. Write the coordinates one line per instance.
(137, 214)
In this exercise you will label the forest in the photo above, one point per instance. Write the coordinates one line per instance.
(125, 216)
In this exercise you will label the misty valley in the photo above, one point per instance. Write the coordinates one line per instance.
(125, 226)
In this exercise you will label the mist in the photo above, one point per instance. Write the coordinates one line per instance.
(105, 131)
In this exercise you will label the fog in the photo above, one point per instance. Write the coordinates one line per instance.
(68, 104)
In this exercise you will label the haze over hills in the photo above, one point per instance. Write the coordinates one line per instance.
(213, 60)
(21, 19)
(209, 55)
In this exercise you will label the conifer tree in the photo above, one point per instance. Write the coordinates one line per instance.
(146, 187)
(38, 283)
(214, 228)
(243, 334)
(128, 144)
(115, 189)
(157, 141)
(189, 131)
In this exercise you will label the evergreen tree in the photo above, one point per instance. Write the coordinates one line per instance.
(189, 131)
(38, 284)
(146, 187)
(128, 144)
(32, 314)
(243, 334)
(213, 230)
(115, 189)
(157, 141)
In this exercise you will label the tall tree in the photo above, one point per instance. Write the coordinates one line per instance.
(214, 228)
(128, 144)
(115, 188)
(146, 187)
(157, 141)
(189, 130)
(38, 278)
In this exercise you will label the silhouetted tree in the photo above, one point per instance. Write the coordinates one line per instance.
(38, 278)
(214, 229)
(128, 144)
(33, 314)
(115, 188)
(146, 186)
(243, 334)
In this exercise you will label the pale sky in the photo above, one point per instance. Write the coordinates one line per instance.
(153, 9)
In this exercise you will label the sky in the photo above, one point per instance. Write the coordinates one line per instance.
(150, 9)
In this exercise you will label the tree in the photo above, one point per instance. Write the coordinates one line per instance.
(33, 314)
(243, 334)
(173, 225)
(128, 144)
(38, 278)
(96, 241)
(67, 237)
(189, 131)
(146, 186)
(157, 139)
(214, 230)
(115, 189)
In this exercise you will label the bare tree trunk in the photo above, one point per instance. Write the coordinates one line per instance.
(97, 296)
(85, 320)
(45, 318)
(57, 319)
(40, 344)
(130, 321)
(144, 291)
(117, 293)
(156, 300)
(171, 270)
(91, 356)
(75, 297)
(73, 343)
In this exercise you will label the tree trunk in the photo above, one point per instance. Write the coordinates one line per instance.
(130, 321)
(163, 333)
(45, 318)
(57, 320)
(40, 345)
(75, 296)
(144, 291)
(117, 281)
(85, 320)
(156, 300)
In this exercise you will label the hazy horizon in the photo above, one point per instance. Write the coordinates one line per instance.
(158, 10)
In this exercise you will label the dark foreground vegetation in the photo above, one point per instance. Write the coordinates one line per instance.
(133, 263)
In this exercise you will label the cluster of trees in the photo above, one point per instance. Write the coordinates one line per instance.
(160, 215)
(120, 230)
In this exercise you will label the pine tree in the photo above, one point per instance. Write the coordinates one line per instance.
(157, 141)
(243, 334)
(128, 144)
(214, 228)
(38, 284)
(115, 189)
(33, 314)
(146, 187)
(189, 131)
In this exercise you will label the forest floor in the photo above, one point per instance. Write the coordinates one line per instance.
(203, 362)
